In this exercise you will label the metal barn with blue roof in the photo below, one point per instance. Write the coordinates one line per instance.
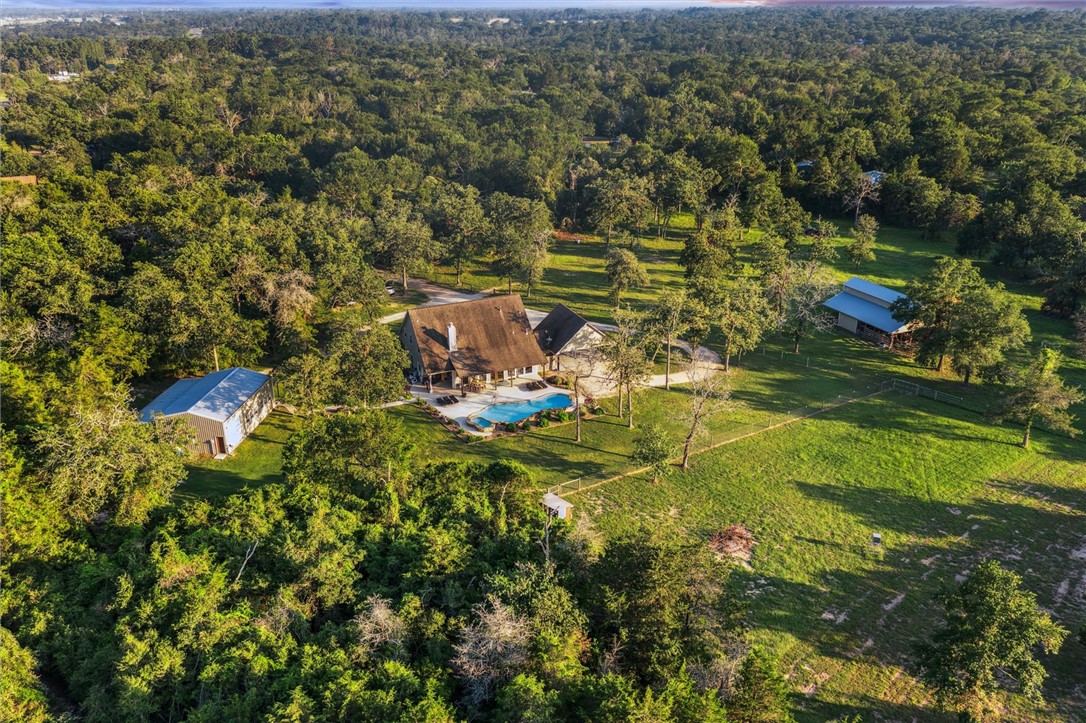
(223, 408)
(864, 309)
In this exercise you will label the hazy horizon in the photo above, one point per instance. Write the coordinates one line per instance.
(82, 6)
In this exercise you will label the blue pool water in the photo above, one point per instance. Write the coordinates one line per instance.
(516, 411)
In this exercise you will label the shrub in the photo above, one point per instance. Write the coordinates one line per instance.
(511, 427)
(544, 422)
(526, 425)
(563, 415)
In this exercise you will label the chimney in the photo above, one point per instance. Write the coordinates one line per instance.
(451, 335)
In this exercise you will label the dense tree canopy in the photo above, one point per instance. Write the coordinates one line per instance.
(221, 189)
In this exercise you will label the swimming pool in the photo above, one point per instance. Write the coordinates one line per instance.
(506, 412)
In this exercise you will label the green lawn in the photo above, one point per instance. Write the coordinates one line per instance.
(577, 277)
(258, 461)
(829, 364)
(942, 490)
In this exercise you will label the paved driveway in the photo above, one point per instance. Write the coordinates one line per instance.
(437, 295)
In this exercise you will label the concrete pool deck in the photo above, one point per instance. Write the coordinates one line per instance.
(477, 401)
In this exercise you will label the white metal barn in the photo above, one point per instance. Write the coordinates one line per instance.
(864, 309)
(222, 408)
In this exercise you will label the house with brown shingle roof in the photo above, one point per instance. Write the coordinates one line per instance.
(486, 341)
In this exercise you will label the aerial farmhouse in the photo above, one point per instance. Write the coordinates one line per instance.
(222, 408)
(471, 343)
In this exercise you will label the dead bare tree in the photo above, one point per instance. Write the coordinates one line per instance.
(229, 118)
(286, 297)
(326, 103)
(378, 626)
(583, 368)
(864, 189)
(624, 354)
(710, 394)
(248, 554)
(492, 650)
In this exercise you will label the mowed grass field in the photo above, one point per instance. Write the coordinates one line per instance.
(942, 490)
(943, 487)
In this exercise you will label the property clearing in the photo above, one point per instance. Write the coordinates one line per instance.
(844, 616)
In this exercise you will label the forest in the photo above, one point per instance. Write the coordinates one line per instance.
(245, 189)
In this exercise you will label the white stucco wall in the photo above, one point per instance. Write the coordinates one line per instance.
(585, 339)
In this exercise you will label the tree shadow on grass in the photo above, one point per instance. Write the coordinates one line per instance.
(542, 455)
(219, 483)
(877, 617)
(857, 601)
(868, 708)
(875, 612)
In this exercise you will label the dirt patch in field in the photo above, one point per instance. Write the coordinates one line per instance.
(735, 542)
(894, 603)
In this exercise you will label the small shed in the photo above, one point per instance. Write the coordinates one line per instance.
(558, 507)
(863, 308)
(222, 408)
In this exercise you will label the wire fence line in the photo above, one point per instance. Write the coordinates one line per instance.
(901, 385)
(872, 383)
(978, 403)
(721, 437)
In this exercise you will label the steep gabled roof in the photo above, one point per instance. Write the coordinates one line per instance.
(216, 396)
(492, 335)
(558, 327)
